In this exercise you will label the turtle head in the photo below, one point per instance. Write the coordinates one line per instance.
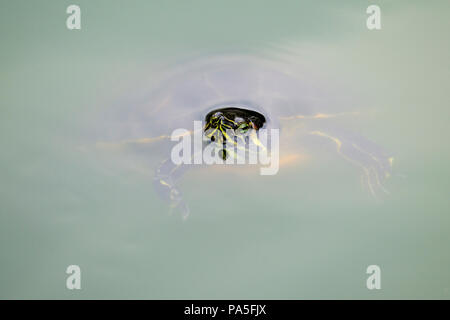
(231, 124)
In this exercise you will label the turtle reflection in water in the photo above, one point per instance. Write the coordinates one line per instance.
(243, 94)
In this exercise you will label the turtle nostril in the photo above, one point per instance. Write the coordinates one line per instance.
(213, 138)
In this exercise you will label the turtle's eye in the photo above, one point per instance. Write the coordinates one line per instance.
(216, 115)
(242, 128)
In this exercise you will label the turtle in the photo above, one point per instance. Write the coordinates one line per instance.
(242, 93)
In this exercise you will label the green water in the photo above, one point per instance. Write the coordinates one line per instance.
(308, 232)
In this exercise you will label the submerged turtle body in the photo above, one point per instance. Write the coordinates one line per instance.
(270, 91)
(188, 91)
